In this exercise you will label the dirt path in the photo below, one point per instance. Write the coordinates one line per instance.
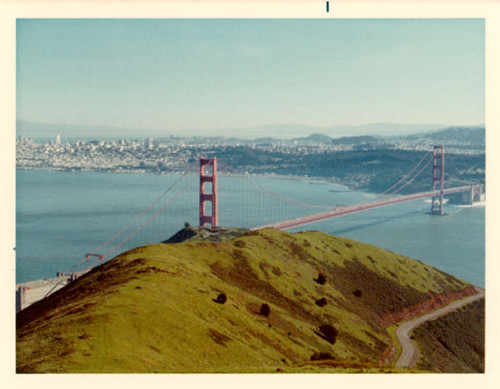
(409, 351)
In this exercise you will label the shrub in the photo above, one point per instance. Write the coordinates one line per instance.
(321, 279)
(328, 332)
(221, 298)
(265, 310)
(357, 293)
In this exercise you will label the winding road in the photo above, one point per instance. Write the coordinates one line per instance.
(409, 351)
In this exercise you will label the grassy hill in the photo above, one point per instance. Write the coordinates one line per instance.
(249, 302)
(455, 342)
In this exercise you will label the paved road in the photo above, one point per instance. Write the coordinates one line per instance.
(409, 351)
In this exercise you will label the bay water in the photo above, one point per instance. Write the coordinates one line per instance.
(62, 216)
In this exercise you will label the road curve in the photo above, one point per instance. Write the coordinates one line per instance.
(409, 351)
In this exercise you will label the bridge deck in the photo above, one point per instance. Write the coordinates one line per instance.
(283, 225)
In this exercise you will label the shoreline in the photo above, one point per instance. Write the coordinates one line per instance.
(312, 179)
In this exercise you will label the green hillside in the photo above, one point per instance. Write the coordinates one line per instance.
(455, 342)
(263, 301)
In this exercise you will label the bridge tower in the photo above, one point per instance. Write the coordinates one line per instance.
(438, 180)
(208, 194)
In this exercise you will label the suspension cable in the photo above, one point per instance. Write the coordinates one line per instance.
(406, 175)
(148, 208)
(188, 170)
(414, 177)
(270, 192)
(179, 192)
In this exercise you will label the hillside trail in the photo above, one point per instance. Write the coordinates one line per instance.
(409, 351)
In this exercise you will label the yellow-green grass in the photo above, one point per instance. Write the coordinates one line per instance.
(152, 309)
(453, 343)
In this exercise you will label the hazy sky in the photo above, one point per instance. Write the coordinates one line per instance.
(175, 74)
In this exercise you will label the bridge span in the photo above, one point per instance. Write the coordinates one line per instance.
(30, 292)
(340, 211)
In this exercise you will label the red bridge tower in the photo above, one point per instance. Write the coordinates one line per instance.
(438, 180)
(208, 194)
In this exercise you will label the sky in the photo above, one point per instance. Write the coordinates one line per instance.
(175, 74)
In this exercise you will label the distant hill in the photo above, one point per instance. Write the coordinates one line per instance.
(348, 140)
(288, 131)
(452, 135)
(284, 131)
(316, 138)
(232, 301)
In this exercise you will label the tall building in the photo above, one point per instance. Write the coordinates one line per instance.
(148, 143)
(58, 139)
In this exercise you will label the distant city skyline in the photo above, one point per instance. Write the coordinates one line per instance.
(194, 74)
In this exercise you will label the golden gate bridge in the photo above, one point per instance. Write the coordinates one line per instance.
(209, 202)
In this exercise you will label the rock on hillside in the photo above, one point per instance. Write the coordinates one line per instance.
(258, 302)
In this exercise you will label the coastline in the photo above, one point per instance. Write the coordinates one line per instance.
(314, 180)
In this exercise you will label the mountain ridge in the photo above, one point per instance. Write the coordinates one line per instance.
(289, 131)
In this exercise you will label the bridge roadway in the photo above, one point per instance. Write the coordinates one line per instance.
(283, 225)
(30, 292)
